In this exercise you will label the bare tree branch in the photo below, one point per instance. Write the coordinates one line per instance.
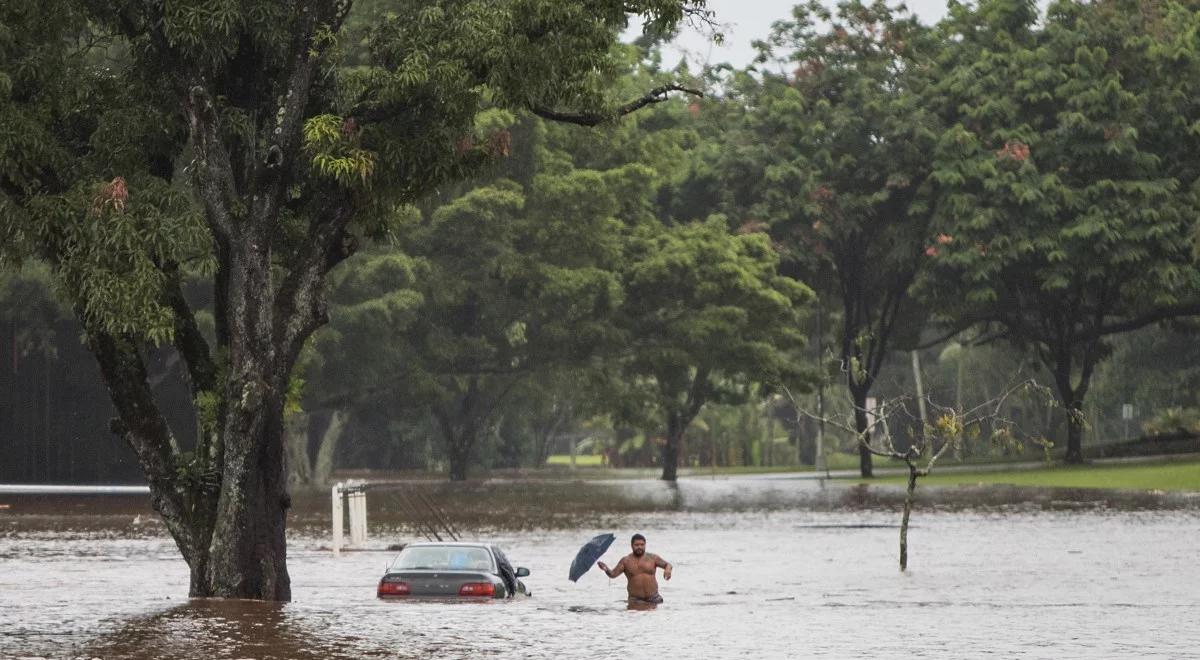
(656, 95)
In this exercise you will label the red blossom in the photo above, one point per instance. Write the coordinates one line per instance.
(1014, 150)
(752, 227)
(944, 239)
(931, 251)
(694, 109)
(808, 69)
(821, 193)
(113, 195)
(500, 143)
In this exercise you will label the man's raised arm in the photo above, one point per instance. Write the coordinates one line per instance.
(616, 570)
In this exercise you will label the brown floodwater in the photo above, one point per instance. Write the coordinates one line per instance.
(764, 568)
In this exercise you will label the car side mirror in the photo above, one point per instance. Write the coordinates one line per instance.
(522, 571)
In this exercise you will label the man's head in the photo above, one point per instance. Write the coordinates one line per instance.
(639, 545)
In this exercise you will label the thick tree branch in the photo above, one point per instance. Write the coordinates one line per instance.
(212, 167)
(300, 304)
(656, 95)
(697, 395)
(303, 57)
(1165, 313)
(189, 341)
(142, 425)
(947, 336)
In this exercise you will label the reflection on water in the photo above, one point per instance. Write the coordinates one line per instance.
(764, 568)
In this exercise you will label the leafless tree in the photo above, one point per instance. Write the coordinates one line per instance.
(945, 430)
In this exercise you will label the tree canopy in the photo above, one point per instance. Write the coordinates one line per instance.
(1062, 214)
(259, 142)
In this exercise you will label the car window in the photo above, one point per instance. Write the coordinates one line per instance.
(446, 558)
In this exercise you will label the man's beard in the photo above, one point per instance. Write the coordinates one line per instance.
(639, 553)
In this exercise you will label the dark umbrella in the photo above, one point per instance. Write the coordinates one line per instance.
(588, 554)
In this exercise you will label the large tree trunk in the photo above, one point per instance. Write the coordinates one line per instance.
(249, 546)
(862, 425)
(908, 502)
(226, 508)
(1071, 396)
(225, 502)
(460, 459)
(460, 440)
(670, 450)
(1074, 453)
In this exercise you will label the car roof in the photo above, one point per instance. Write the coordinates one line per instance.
(450, 544)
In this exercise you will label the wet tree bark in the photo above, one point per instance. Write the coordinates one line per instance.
(678, 420)
(670, 450)
(1071, 392)
(913, 473)
(460, 457)
(225, 503)
(460, 441)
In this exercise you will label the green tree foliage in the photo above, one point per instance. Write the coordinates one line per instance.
(833, 159)
(260, 142)
(706, 315)
(1064, 211)
(482, 292)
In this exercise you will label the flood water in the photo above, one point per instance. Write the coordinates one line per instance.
(764, 568)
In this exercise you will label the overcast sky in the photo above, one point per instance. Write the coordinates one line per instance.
(747, 20)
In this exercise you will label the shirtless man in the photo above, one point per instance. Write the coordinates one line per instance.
(639, 568)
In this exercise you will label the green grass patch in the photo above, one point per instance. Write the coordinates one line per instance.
(1174, 475)
(582, 460)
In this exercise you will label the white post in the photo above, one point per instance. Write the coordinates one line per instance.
(336, 497)
(358, 517)
(352, 513)
(363, 501)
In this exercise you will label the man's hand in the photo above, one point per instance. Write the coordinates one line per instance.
(603, 566)
(667, 572)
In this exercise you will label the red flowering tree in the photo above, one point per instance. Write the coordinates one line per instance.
(1068, 180)
(838, 159)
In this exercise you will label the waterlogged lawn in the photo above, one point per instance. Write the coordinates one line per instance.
(835, 461)
(1175, 475)
(581, 460)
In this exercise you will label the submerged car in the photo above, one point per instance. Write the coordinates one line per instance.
(441, 570)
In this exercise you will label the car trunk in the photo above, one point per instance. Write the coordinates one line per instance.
(439, 583)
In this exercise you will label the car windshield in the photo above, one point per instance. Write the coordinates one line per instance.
(444, 558)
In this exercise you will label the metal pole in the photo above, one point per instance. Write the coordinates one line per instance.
(916, 365)
(770, 449)
(819, 460)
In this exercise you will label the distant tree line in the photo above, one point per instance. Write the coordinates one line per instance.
(1003, 194)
